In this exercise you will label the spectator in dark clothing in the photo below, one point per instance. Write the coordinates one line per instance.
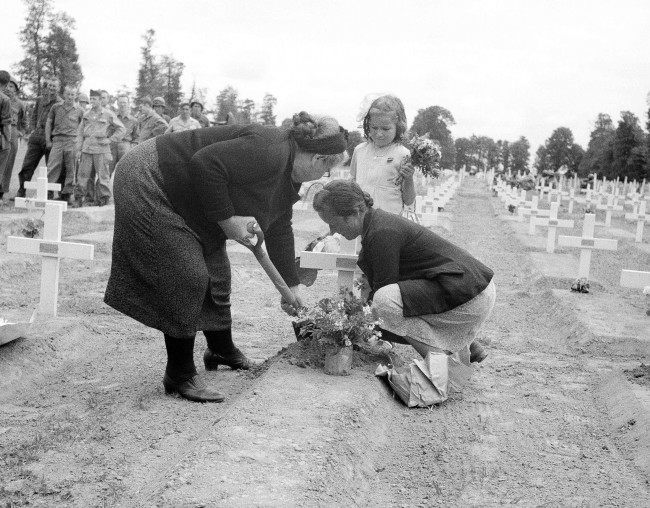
(178, 197)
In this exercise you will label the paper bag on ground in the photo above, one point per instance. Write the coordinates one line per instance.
(427, 381)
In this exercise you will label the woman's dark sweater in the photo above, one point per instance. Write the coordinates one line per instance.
(214, 173)
(433, 274)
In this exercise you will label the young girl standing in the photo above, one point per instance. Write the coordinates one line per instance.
(378, 164)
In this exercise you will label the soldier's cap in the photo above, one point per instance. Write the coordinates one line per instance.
(95, 93)
(159, 101)
(196, 102)
(145, 100)
(4, 77)
(82, 97)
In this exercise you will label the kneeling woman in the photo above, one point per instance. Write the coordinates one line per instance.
(427, 291)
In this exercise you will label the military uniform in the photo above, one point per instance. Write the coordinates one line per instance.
(63, 123)
(128, 141)
(36, 147)
(18, 128)
(93, 141)
(151, 125)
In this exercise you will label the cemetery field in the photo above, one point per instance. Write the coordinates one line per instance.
(558, 414)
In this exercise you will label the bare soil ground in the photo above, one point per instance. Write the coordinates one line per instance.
(557, 415)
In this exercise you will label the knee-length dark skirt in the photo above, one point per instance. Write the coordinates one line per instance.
(161, 275)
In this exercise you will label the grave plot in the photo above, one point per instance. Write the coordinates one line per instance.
(85, 421)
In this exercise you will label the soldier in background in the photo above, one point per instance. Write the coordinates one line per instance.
(184, 121)
(18, 130)
(129, 140)
(36, 147)
(93, 142)
(197, 113)
(60, 137)
(151, 124)
(5, 123)
(83, 101)
(159, 106)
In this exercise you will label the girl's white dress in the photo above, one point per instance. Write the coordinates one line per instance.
(375, 170)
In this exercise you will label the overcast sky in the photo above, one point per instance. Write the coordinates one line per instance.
(503, 68)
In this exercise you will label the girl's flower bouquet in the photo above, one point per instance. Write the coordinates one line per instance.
(425, 155)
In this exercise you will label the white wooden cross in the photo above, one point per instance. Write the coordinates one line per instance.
(52, 249)
(533, 211)
(42, 187)
(552, 223)
(640, 217)
(345, 262)
(609, 208)
(635, 279)
(572, 196)
(426, 209)
(586, 243)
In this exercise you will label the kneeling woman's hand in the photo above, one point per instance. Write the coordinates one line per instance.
(287, 307)
(237, 228)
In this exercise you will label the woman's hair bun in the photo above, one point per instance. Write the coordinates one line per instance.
(304, 125)
(368, 199)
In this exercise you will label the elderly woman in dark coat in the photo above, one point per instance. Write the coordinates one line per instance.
(178, 197)
(428, 292)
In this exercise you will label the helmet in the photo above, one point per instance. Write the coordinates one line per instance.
(159, 101)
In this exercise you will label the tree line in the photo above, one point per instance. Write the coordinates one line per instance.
(613, 151)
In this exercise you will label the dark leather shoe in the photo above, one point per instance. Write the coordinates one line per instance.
(476, 353)
(235, 360)
(193, 389)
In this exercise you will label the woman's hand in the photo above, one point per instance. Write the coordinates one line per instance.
(237, 228)
(287, 307)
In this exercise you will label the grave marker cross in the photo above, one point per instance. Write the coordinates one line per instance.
(586, 243)
(640, 217)
(552, 223)
(52, 249)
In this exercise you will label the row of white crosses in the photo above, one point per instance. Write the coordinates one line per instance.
(427, 207)
(50, 247)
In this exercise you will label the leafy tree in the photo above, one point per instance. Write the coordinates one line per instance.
(60, 56)
(464, 153)
(227, 102)
(598, 156)
(542, 163)
(266, 115)
(627, 148)
(559, 148)
(247, 112)
(520, 153)
(159, 76)
(435, 121)
(171, 71)
(32, 38)
(149, 78)
(504, 154)
(647, 144)
(50, 49)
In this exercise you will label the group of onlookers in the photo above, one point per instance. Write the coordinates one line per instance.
(82, 137)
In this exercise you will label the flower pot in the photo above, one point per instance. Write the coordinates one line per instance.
(338, 361)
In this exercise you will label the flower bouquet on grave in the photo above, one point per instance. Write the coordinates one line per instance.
(337, 324)
(580, 286)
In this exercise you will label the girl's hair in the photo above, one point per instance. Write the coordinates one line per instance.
(343, 198)
(387, 104)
